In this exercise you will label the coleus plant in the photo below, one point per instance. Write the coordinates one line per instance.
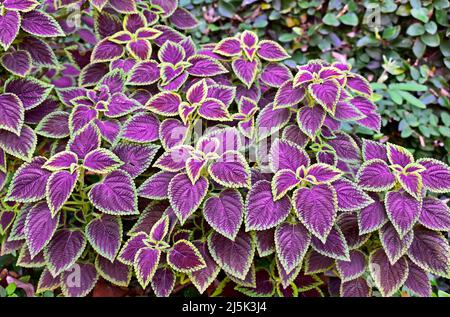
(134, 153)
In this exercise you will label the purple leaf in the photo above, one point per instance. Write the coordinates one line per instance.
(265, 242)
(202, 278)
(9, 24)
(41, 53)
(144, 73)
(18, 227)
(140, 49)
(212, 109)
(435, 214)
(345, 111)
(374, 150)
(174, 159)
(418, 281)
(151, 214)
(271, 51)
(35, 115)
(310, 120)
(39, 228)
(234, 257)
(430, 251)
(350, 270)
(317, 263)
(348, 223)
(261, 211)
(224, 212)
(12, 113)
(355, 288)
(164, 103)
(163, 282)
(115, 272)
(293, 133)
(183, 19)
(18, 62)
(334, 247)
(64, 249)
(359, 84)
(168, 6)
(436, 177)
(29, 181)
(270, 120)
(372, 119)
(101, 161)
(291, 243)
(316, 207)
(205, 66)
(105, 235)
(231, 170)
(394, 246)
(6, 219)
(105, 51)
(184, 257)
(86, 279)
(345, 146)
(388, 278)
(320, 173)
(21, 146)
(264, 285)
(109, 129)
(375, 175)
(59, 188)
(160, 229)
(288, 95)
(54, 125)
(92, 73)
(283, 181)
(80, 117)
(172, 132)
(131, 248)
(115, 194)
(349, 196)
(41, 24)
(47, 282)
(31, 92)
(136, 157)
(84, 141)
(372, 217)
(403, 210)
(411, 183)
(326, 94)
(287, 155)
(228, 47)
(275, 74)
(157, 186)
(186, 197)
(120, 105)
(226, 94)
(145, 265)
(60, 161)
(245, 70)
(399, 155)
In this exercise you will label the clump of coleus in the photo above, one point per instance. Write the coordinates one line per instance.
(128, 152)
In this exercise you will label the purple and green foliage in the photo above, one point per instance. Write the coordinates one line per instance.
(138, 156)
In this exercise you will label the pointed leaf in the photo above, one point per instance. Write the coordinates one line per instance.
(388, 278)
(316, 208)
(186, 197)
(115, 194)
(59, 188)
(224, 212)
(64, 249)
(234, 257)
